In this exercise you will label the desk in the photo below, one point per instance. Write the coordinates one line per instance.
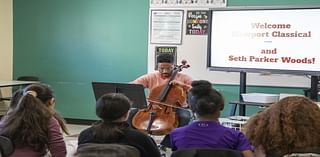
(15, 83)
(235, 122)
(242, 106)
(3, 84)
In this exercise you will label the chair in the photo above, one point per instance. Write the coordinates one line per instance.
(106, 149)
(28, 78)
(6, 146)
(210, 152)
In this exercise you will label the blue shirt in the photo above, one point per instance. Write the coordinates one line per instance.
(208, 134)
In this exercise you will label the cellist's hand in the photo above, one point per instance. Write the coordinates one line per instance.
(181, 84)
(175, 82)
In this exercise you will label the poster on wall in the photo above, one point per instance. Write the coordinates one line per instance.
(166, 26)
(197, 22)
(165, 49)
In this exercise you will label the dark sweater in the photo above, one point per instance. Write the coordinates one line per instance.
(132, 137)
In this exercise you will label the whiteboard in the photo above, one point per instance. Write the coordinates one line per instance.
(276, 40)
(194, 50)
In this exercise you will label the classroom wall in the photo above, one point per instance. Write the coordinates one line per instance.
(70, 43)
(6, 43)
(6, 40)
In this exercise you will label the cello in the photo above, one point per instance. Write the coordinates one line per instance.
(160, 117)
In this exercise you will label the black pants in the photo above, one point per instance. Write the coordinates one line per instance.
(184, 117)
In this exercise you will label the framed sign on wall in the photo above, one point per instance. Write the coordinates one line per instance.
(165, 49)
(166, 27)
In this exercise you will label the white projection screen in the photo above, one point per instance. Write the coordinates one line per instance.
(276, 40)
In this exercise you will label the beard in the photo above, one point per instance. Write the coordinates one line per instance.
(165, 75)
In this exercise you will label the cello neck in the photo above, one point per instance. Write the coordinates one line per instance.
(166, 89)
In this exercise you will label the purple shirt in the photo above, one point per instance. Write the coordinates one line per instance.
(208, 134)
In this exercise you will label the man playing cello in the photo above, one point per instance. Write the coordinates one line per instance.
(162, 76)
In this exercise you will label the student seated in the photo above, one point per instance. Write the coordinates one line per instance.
(109, 150)
(289, 126)
(206, 132)
(46, 97)
(113, 109)
(32, 124)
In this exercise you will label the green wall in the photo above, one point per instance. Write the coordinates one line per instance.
(70, 43)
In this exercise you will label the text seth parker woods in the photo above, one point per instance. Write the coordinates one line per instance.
(274, 34)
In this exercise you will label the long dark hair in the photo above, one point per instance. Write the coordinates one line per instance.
(27, 123)
(109, 108)
(204, 99)
(45, 94)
